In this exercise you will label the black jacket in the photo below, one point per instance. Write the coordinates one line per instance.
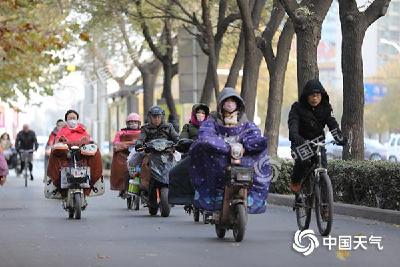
(26, 141)
(308, 123)
(150, 132)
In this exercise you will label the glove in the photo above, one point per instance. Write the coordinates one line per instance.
(341, 141)
(138, 147)
(299, 140)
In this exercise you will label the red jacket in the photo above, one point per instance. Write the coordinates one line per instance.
(73, 135)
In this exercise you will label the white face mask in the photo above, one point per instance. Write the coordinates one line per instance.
(72, 123)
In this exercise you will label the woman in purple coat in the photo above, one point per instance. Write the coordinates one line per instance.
(210, 154)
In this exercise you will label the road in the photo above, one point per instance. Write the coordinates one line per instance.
(35, 231)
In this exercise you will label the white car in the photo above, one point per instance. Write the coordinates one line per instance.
(393, 148)
(284, 150)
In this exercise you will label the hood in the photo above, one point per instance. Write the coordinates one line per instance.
(313, 86)
(195, 108)
(228, 92)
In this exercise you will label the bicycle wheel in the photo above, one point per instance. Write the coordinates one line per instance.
(26, 173)
(303, 206)
(324, 204)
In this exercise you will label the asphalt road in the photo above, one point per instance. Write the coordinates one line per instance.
(35, 231)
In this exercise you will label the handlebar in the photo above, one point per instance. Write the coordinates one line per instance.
(26, 150)
(322, 144)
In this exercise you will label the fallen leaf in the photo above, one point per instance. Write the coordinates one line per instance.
(342, 254)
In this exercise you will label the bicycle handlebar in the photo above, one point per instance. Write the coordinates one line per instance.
(322, 144)
(26, 150)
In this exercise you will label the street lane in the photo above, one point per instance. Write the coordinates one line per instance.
(35, 231)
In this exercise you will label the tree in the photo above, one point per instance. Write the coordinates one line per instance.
(252, 55)
(277, 65)
(354, 24)
(164, 53)
(307, 17)
(32, 38)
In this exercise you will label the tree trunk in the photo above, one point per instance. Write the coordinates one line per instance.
(149, 72)
(212, 57)
(252, 60)
(353, 87)
(167, 88)
(236, 64)
(308, 37)
(354, 24)
(276, 85)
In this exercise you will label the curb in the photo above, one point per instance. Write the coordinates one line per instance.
(387, 216)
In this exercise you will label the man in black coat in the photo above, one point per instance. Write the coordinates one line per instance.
(307, 120)
(156, 128)
(26, 140)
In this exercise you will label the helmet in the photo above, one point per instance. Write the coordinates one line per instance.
(156, 110)
(133, 117)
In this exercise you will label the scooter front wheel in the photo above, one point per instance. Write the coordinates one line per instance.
(239, 226)
(220, 231)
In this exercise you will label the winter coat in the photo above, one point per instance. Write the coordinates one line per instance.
(163, 131)
(210, 156)
(26, 141)
(307, 122)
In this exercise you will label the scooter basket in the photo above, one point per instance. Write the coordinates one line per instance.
(134, 185)
(242, 174)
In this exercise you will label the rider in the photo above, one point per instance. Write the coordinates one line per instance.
(210, 154)
(73, 133)
(307, 120)
(157, 128)
(124, 138)
(26, 140)
(3, 168)
(50, 142)
(199, 114)
(180, 188)
(8, 151)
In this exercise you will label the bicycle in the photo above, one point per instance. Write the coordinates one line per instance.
(26, 157)
(316, 188)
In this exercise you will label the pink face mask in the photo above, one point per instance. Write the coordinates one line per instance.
(230, 106)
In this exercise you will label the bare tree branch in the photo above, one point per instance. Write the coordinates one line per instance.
(377, 9)
(146, 32)
(290, 6)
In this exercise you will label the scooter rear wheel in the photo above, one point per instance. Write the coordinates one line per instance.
(136, 203)
(77, 205)
(196, 215)
(239, 226)
(165, 208)
(129, 202)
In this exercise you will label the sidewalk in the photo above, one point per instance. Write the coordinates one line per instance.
(388, 216)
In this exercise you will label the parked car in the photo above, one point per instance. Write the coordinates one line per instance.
(284, 150)
(393, 148)
(373, 150)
